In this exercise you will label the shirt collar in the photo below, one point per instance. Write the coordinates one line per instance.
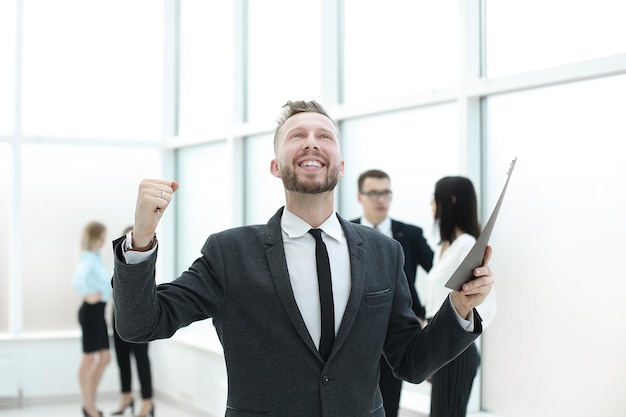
(382, 226)
(295, 227)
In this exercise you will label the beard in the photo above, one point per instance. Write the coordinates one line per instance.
(293, 183)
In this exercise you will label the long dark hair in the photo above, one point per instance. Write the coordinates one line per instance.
(456, 207)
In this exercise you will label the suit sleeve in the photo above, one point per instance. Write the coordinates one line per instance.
(421, 255)
(424, 252)
(415, 353)
(145, 311)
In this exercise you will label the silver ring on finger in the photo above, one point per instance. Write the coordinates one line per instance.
(162, 194)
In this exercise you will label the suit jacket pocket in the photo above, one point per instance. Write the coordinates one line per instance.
(241, 412)
(378, 297)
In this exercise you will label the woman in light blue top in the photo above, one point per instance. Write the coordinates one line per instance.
(93, 282)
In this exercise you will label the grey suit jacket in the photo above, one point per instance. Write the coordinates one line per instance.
(241, 281)
(417, 252)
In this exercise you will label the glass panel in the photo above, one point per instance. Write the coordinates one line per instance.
(562, 32)
(7, 69)
(91, 70)
(6, 178)
(284, 55)
(264, 192)
(399, 48)
(63, 188)
(206, 66)
(204, 199)
(563, 213)
(415, 147)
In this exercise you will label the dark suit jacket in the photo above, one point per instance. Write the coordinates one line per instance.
(242, 282)
(417, 252)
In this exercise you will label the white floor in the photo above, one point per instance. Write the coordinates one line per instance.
(73, 408)
(163, 408)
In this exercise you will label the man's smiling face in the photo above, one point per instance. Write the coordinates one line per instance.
(308, 156)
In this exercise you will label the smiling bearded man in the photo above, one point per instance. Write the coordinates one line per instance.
(292, 183)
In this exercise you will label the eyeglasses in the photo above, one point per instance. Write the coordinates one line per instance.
(373, 195)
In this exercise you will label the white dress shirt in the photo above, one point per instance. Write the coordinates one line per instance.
(384, 227)
(444, 266)
(300, 253)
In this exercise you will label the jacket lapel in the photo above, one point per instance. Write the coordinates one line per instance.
(357, 280)
(280, 276)
(396, 231)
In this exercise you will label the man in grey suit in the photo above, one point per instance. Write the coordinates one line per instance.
(259, 285)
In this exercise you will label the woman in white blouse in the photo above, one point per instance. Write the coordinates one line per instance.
(456, 215)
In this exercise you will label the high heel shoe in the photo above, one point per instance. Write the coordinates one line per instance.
(131, 404)
(150, 413)
(86, 414)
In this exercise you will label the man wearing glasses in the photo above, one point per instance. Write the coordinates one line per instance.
(375, 197)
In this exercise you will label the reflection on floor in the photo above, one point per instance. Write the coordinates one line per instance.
(163, 408)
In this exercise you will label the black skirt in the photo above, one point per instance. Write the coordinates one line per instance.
(94, 325)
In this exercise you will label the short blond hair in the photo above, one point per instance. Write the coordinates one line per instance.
(292, 108)
(91, 233)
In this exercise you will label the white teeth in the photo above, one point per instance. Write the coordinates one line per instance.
(311, 164)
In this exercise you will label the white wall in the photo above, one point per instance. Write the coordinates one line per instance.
(556, 347)
(45, 367)
(187, 369)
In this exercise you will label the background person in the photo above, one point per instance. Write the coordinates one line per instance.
(456, 215)
(375, 196)
(260, 286)
(123, 350)
(93, 282)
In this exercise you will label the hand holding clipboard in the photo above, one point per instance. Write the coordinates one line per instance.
(474, 258)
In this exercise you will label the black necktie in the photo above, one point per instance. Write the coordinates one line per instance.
(326, 294)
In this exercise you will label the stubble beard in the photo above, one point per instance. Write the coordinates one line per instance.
(293, 183)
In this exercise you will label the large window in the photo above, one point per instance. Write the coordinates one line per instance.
(64, 187)
(7, 69)
(6, 231)
(415, 147)
(88, 80)
(532, 35)
(399, 48)
(204, 199)
(284, 55)
(90, 70)
(563, 207)
(206, 67)
(264, 192)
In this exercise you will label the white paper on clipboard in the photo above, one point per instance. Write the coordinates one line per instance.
(474, 258)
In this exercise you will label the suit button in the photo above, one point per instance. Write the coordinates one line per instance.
(325, 379)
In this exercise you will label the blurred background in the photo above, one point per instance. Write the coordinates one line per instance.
(97, 95)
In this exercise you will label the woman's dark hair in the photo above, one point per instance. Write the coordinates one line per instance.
(456, 207)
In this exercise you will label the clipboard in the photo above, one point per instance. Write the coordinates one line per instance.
(474, 258)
